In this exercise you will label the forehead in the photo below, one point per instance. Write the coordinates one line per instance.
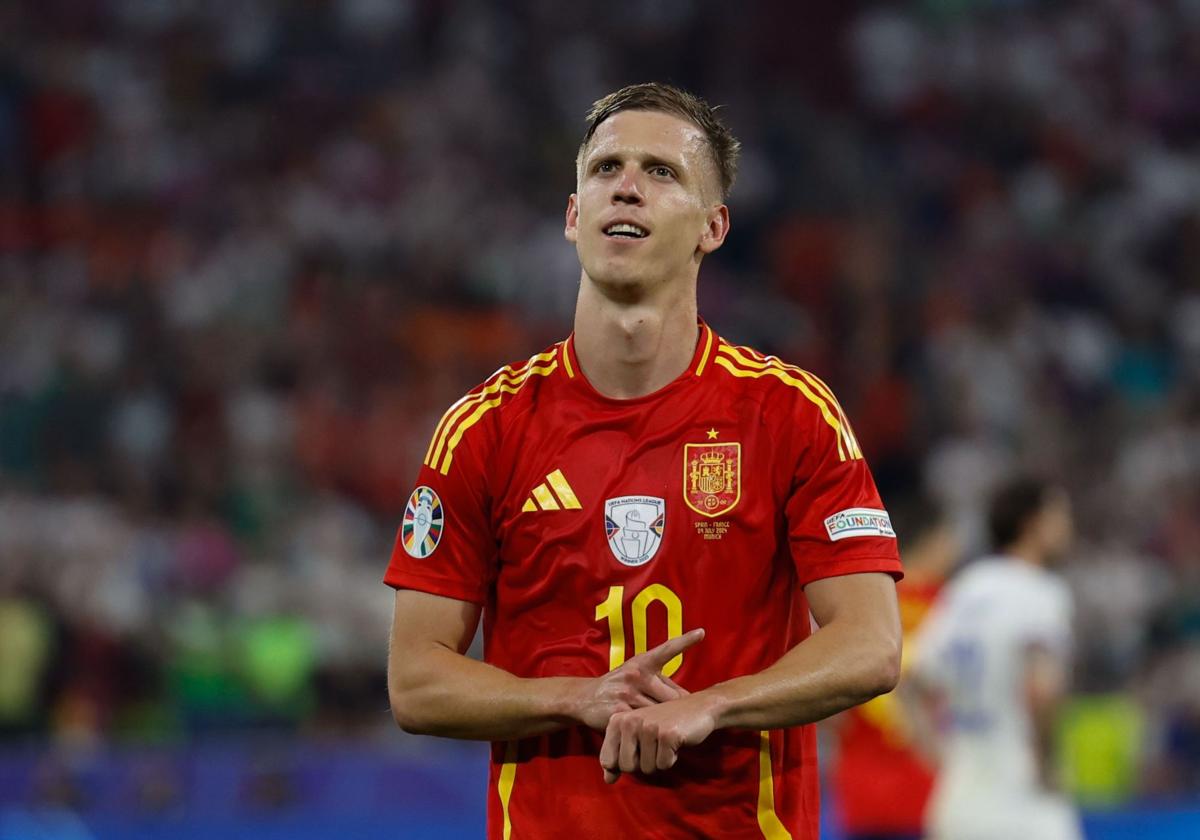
(651, 133)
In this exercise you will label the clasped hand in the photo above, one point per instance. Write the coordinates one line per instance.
(646, 716)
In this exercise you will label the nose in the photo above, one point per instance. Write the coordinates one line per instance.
(628, 189)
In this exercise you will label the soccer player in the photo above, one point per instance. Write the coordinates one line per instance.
(883, 779)
(644, 514)
(993, 655)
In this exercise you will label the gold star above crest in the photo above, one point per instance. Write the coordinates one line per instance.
(712, 434)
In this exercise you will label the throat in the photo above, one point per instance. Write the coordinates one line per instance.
(630, 351)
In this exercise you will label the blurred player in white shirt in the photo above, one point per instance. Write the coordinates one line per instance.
(992, 661)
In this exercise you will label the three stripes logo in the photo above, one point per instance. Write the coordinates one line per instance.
(553, 494)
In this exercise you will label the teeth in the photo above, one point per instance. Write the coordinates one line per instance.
(622, 227)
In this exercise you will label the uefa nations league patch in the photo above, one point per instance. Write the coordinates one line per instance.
(634, 526)
(859, 522)
(421, 530)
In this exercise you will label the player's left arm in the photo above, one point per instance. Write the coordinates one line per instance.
(920, 690)
(854, 656)
(1045, 689)
(845, 554)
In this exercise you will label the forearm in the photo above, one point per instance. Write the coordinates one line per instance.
(918, 700)
(1045, 688)
(1043, 713)
(1043, 747)
(839, 666)
(438, 691)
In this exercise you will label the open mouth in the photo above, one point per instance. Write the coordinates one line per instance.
(625, 230)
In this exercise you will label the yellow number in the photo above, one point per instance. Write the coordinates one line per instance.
(610, 608)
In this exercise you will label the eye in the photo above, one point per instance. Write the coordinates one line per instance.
(606, 166)
(663, 172)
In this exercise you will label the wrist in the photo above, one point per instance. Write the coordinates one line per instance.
(717, 704)
(568, 699)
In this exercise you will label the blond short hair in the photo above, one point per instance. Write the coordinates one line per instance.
(655, 96)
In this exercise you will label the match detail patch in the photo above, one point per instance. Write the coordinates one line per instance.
(424, 516)
(859, 522)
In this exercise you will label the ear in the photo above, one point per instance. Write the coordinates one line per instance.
(715, 230)
(571, 231)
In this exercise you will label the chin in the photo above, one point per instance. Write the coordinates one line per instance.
(620, 276)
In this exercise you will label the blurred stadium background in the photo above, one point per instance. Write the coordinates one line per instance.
(250, 250)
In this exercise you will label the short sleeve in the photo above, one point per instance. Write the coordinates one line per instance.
(836, 522)
(445, 544)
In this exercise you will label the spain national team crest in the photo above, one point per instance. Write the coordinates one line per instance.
(634, 526)
(712, 477)
(421, 530)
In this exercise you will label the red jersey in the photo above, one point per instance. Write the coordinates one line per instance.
(592, 529)
(883, 784)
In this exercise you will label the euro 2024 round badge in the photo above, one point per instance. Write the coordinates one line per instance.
(424, 517)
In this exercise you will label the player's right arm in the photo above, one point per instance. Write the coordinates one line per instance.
(921, 702)
(435, 689)
(443, 567)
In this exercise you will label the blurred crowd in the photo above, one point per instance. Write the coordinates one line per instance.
(251, 249)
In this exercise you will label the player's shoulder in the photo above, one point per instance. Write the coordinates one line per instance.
(980, 586)
(481, 410)
(1024, 590)
(1027, 579)
(1045, 589)
(744, 367)
(509, 380)
(797, 392)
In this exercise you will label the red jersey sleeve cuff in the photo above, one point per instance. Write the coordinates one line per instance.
(854, 566)
(445, 587)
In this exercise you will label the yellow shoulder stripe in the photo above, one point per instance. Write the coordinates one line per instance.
(783, 376)
(482, 408)
(500, 382)
(708, 340)
(813, 389)
(823, 390)
(462, 405)
(753, 358)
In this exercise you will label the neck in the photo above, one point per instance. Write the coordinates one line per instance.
(1028, 552)
(630, 345)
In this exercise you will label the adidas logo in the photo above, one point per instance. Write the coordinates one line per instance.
(557, 496)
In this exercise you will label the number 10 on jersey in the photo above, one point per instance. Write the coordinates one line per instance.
(612, 608)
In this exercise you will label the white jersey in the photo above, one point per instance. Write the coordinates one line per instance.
(973, 648)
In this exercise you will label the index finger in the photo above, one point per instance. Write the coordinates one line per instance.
(671, 648)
